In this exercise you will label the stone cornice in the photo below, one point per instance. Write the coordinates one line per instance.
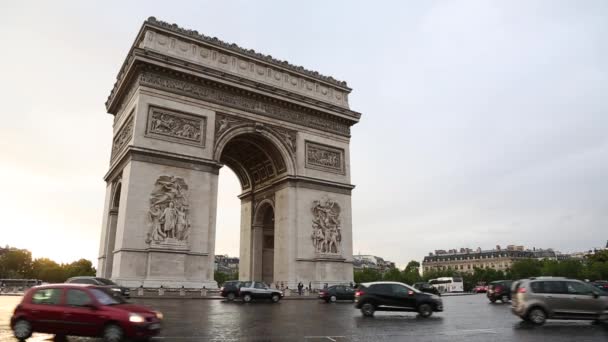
(170, 43)
(161, 78)
(300, 182)
(134, 153)
(248, 52)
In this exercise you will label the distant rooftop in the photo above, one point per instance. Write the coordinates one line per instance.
(249, 52)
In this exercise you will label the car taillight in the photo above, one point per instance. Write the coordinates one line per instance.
(497, 289)
(521, 290)
(359, 293)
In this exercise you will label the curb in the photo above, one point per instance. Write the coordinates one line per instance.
(217, 297)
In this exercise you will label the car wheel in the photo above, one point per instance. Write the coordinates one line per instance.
(333, 299)
(60, 338)
(368, 309)
(537, 316)
(112, 333)
(231, 296)
(504, 299)
(22, 329)
(247, 298)
(425, 310)
(492, 300)
(275, 298)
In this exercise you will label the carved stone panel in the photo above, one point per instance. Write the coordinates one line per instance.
(324, 158)
(326, 230)
(168, 215)
(122, 137)
(246, 102)
(176, 126)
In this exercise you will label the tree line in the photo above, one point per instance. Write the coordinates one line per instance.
(18, 264)
(594, 267)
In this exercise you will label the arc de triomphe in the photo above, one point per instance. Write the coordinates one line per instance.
(184, 105)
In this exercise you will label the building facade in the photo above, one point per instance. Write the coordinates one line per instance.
(465, 260)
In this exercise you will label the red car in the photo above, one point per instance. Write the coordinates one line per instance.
(480, 289)
(82, 310)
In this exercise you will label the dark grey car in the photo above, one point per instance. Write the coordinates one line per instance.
(542, 298)
(121, 290)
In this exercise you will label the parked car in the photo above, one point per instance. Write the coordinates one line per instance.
(230, 289)
(82, 310)
(499, 290)
(428, 288)
(480, 289)
(337, 292)
(601, 284)
(123, 291)
(542, 298)
(393, 296)
(250, 290)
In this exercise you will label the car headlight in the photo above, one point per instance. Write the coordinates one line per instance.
(158, 314)
(115, 289)
(136, 318)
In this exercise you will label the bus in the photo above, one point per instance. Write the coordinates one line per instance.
(448, 284)
(8, 285)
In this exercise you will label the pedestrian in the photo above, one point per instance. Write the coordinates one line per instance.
(310, 286)
(325, 286)
(352, 286)
(300, 287)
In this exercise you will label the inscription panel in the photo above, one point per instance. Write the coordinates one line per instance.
(324, 158)
(176, 126)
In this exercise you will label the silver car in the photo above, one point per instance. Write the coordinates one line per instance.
(542, 298)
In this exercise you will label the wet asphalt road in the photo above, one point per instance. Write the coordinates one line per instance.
(466, 318)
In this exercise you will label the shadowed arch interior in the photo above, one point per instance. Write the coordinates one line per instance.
(254, 159)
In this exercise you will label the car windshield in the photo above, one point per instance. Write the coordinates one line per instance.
(105, 281)
(105, 297)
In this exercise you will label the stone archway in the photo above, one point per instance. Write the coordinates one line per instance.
(185, 105)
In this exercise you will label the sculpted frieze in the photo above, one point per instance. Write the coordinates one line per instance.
(168, 215)
(122, 137)
(242, 101)
(325, 158)
(176, 126)
(326, 230)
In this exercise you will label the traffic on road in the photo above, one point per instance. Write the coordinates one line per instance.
(392, 309)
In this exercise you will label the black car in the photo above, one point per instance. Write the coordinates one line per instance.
(499, 290)
(426, 287)
(337, 292)
(121, 290)
(230, 289)
(601, 284)
(393, 296)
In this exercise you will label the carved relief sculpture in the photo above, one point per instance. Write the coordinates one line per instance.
(174, 126)
(122, 137)
(168, 213)
(327, 235)
(325, 158)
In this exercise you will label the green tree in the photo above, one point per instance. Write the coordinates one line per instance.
(392, 275)
(48, 270)
(525, 268)
(600, 256)
(366, 275)
(411, 273)
(82, 267)
(15, 263)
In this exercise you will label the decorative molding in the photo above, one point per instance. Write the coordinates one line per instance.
(244, 101)
(122, 137)
(233, 47)
(223, 124)
(175, 126)
(327, 233)
(324, 157)
(168, 215)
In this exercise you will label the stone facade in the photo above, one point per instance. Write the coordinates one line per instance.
(184, 106)
(466, 260)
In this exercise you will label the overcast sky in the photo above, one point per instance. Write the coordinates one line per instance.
(483, 122)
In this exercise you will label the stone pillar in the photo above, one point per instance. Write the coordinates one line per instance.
(110, 240)
(257, 252)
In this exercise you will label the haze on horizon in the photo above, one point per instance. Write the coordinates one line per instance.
(483, 122)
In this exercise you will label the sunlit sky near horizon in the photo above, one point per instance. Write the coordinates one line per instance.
(483, 122)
